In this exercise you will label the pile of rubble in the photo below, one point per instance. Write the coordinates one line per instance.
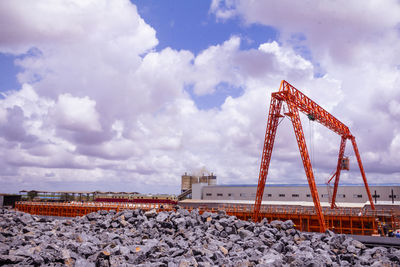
(181, 238)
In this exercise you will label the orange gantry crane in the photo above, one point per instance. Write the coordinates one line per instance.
(297, 101)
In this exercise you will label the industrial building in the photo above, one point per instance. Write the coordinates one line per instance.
(189, 180)
(297, 193)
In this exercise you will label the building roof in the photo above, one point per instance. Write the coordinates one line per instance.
(294, 185)
(276, 203)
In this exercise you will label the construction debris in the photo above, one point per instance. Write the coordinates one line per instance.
(181, 238)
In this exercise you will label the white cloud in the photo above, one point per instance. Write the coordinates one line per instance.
(76, 114)
(336, 31)
(116, 24)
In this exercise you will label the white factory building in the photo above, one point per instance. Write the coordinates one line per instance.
(384, 194)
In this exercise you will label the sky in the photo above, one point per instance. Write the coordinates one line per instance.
(122, 95)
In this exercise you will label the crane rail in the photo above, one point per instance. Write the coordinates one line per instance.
(377, 241)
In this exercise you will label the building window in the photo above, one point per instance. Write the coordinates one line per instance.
(281, 195)
(324, 195)
(341, 195)
(219, 194)
(242, 194)
(209, 194)
(269, 195)
(308, 195)
(295, 195)
(357, 196)
(230, 194)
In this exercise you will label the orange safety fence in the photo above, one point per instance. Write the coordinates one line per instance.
(345, 220)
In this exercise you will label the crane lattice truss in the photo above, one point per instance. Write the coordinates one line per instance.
(297, 101)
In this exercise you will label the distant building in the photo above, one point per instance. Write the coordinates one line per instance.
(188, 181)
(56, 196)
(299, 193)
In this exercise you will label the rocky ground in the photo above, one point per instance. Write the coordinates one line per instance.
(181, 238)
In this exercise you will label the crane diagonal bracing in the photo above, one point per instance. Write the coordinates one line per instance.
(297, 101)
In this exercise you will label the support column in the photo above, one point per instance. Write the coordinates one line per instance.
(301, 141)
(360, 165)
(272, 124)
(338, 170)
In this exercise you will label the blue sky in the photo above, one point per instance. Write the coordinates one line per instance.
(8, 70)
(130, 95)
(189, 25)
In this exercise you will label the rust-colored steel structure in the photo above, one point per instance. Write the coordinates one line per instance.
(297, 101)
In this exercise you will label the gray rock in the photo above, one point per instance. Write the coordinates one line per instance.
(117, 260)
(225, 222)
(105, 223)
(219, 227)
(271, 258)
(10, 259)
(179, 221)
(245, 233)
(183, 212)
(278, 247)
(181, 238)
(291, 232)
(329, 233)
(103, 212)
(25, 219)
(352, 249)
(230, 230)
(151, 213)
(83, 263)
(223, 234)
(239, 224)
(93, 216)
(277, 224)
(358, 244)
(234, 238)
(394, 255)
(380, 263)
(85, 249)
(124, 250)
(218, 255)
(288, 225)
(162, 217)
(128, 214)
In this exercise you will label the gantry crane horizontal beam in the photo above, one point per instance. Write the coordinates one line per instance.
(288, 93)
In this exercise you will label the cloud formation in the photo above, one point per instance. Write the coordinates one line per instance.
(101, 108)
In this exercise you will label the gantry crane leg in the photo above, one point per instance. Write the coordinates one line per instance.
(338, 170)
(301, 141)
(272, 125)
(360, 165)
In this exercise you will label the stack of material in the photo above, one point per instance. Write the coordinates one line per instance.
(180, 238)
